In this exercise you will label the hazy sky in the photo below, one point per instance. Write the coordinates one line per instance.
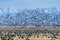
(29, 4)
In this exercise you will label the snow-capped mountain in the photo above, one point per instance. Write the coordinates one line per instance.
(1, 11)
(46, 10)
(53, 10)
(11, 10)
(46, 16)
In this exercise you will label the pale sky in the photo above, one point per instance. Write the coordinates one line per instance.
(30, 4)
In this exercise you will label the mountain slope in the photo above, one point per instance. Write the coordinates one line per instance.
(14, 17)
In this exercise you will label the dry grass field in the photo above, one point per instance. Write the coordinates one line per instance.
(30, 33)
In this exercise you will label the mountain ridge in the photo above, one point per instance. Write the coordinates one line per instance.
(15, 17)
